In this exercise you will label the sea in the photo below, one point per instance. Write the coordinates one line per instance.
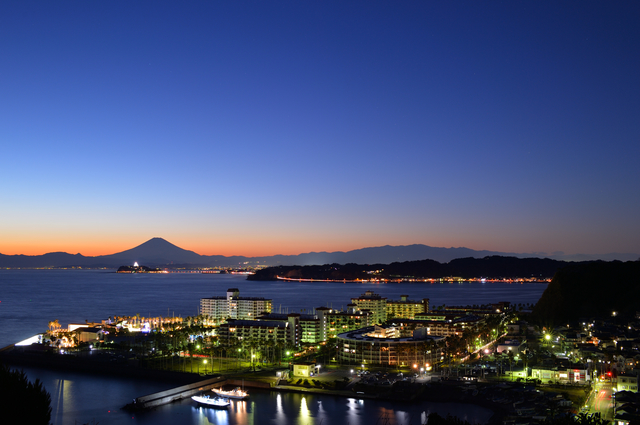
(30, 299)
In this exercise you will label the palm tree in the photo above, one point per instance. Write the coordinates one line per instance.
(510, 358)
(402, 351)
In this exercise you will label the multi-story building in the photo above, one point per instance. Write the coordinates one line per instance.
(373, 302)
(443, 328)
(325, 324)
(380, 345)
(255, 330)
(383, 308)
(311, 330)
(627, 382)
(334, 322)
(233, 306)
(306, 328)
(406, 308)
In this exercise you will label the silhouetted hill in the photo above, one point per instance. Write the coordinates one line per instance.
(501, 266)
(385, 255)
(594, 289)
(157, 252)
(493, 267)
(52, 259)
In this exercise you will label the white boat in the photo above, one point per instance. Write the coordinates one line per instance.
(236, 393)
(211, 402)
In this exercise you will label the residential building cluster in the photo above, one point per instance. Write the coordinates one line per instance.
(579, 353)
(372, 329)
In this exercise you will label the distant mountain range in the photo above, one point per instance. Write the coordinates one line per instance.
(157, 252)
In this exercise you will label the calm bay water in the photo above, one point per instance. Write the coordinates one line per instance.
(79, 399)
(29, 299)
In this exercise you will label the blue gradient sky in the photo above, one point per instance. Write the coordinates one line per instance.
(257, 128)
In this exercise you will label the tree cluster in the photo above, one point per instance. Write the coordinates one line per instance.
(594, 289)
(25, 401)
(493, 267)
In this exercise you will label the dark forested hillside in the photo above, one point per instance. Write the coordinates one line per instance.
(493, 267)
(593, 289)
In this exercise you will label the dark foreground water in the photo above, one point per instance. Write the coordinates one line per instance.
(78, 399)
(30, 299)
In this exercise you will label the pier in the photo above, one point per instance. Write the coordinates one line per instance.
(175, 394)
(184, 391)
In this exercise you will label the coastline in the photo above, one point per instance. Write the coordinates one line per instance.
(89, 366)
(419, 393)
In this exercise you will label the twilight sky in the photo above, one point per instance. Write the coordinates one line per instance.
(258, 128)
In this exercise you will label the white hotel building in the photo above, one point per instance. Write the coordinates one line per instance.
(233, 306)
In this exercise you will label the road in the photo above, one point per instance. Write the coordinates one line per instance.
(601, 401)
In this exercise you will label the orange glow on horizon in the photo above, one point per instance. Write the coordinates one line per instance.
(228, 249)
(231, 245)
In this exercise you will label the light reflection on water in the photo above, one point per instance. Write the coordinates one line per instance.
(208, 416)
(322, 414)
(81, 399)
(35, 297)
(63, 392)
(280, 415)
(305, 414)
(353, 414)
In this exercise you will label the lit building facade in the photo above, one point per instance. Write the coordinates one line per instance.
(303, 328)
(383, 309)
(443, 328)
(379, 345)
(325, 324)
(254, 330)
(373, 302)
(334, 322)
(406, 308)
(627, 382)
(233, 306)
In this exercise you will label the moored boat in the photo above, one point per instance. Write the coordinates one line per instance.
(211, 401)
(236, 393)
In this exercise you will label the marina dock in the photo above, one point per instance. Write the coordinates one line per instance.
(175, 394)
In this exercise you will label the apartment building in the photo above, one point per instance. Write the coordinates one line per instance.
(255, 330)
(406, 308)
(383, 309)
(334, 322)
(305, 328)
(373, 302)
(325, 324)
(233, 306)
(380, 345)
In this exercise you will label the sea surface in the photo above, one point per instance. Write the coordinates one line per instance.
(30, 299)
